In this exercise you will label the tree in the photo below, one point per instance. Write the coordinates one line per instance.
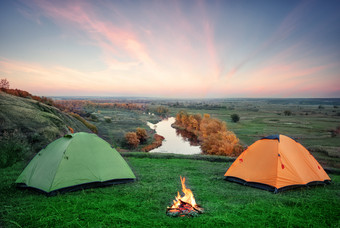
(142, 135)
(221, 143)
(287, 113)
(235, 118)
(211, 126)
(4, 84)
(132, 139)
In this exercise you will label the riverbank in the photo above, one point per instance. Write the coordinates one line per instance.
(157, 142)
(173, 142)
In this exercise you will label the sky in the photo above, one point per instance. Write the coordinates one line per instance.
(172, 49)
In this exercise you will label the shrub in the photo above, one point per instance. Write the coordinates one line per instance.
(90, 126)
(235, 118)
(94, 117)
(107, 119)
(142, 135)
(13, 148)
(287, 113)
(131, 139)
(335, 132)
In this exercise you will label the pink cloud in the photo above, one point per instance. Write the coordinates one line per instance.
(169, 53)
(113, 40)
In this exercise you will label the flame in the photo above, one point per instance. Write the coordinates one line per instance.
(188, 196)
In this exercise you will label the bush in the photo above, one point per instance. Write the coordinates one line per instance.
(94, 117)
(107, 119)
(235, 118)
(13, 148)
(131, 139)
(287, 113)
(141, 134)
(90, 126)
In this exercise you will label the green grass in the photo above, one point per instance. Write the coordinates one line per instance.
(122, 121)
(260, 118)
(31, 124)
(143, 203)
(269, 119)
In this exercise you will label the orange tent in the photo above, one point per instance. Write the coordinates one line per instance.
(275, 163)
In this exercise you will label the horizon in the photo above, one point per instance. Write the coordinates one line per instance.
(172, 49)
(191, 99)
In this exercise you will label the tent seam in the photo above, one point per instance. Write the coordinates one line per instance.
(55, 174)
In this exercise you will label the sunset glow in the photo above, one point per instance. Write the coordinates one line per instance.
(191, 49)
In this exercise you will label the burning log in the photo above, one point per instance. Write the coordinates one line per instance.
(186, 205)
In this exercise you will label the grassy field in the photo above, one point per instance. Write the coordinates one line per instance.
(311, 122)
(122, 121)
(261, 117)
(143, 203)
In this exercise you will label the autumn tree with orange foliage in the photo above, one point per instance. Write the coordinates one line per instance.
(142, 135)
(132, 139)
(212, 134)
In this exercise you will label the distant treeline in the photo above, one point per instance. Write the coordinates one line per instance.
(80, 106)
(83, 107)
(305, 101)
(198, 106)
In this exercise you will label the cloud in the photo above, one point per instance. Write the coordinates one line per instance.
(173, 48)
(114, 41)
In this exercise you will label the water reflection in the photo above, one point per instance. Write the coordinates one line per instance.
(175, 141)
(188, 136)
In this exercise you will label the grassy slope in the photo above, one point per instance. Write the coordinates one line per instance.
(143, 203)
(38, 123)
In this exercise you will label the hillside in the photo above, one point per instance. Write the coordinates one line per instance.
(28, 125)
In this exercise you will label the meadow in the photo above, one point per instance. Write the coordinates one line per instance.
(315, 123)
(144, 202)
(121, 122)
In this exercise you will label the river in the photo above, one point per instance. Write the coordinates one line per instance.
(173, 142)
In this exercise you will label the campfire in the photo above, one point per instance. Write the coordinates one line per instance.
(184, 205)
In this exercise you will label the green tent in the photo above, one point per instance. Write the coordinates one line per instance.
(75, 161)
